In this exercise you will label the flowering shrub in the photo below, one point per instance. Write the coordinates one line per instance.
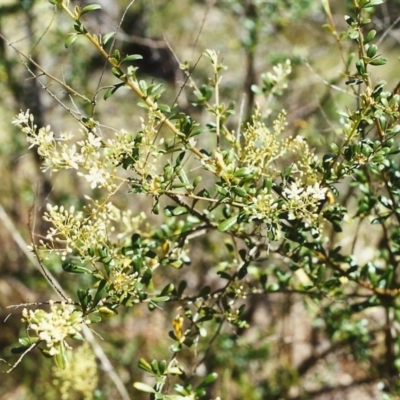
(270, 200)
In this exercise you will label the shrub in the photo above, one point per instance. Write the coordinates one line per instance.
(238, 215)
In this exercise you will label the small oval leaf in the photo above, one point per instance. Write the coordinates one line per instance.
(90, 8)
(71, 39)
(209, 379)
(144, 365)
(132, 57)
(143, 387)
(379, 61)
(107, 37)
(228, 223)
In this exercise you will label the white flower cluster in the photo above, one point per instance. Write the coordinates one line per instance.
(302, 201)
(124, 284)
(56, 326)
(264, 207)
(119, 146)
(149, 148)
(261, 147)
(94, 159)
(299, 201)
(77, 231)
(304, 160)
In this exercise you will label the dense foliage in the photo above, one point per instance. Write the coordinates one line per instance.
(244, 207)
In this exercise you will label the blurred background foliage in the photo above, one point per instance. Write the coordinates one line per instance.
(288, 353)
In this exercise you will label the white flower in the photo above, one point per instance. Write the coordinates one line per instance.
(293, 192)
(71, 158)
(43, 139)
(92, 140)
(316, 192)
(96, 176)
(23, 118)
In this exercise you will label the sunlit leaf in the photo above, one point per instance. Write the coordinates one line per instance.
(90, 8)
(143, 387)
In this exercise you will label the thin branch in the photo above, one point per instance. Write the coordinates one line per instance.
(111, 48)
(52, 77)
(22, 356)
(387, 31)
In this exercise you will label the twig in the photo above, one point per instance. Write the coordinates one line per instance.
(52, 77)
(111, 48)
(22, 356)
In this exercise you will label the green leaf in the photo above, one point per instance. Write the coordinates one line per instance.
(239, 191)
(112, 90)
(242, 272)
(241, 172)
(27, 341)
(60, 358)
(224, 275)
(100, 292)
(146, 278)
(228, 223)
(144, 365)
(386, 202)
(179, 211)
(381, 219)
(164, 108)
(167, 289)
(143, 387)
(372, 50)
(71, 39)
(181, 287)
(107, 266)
(370, 36)
(373, 3)
(84, 298)
(350, 21)
(116, 71)
(173, 371)
(143, 105)
(76, 269)
(160, 299)
(197, 180)
(107, 37)
(154, 367)
(243, 254)
(209, 379)
(204, 292)
(79, 28)
(132, 57)
(162, 366)
(360, 65)
(143, 86)
(106, 312)
(204, 193)
(90, 8)
(378, 61)
(170, 211)
(176, 347)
